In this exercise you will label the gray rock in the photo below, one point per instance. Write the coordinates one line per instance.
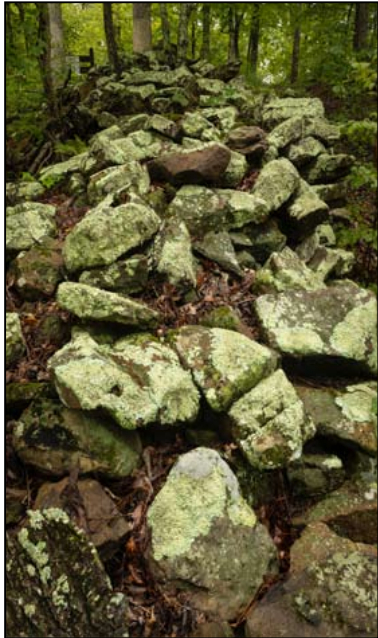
(107, 233)
(332, 194)
(191, 167)
(57, 440)
(23, 191)
(38, 271)
(263, 239)
(305, 151)
(126, 276)
(173, 254)
(285, 271)
(56, 173)
(206, 539)
(127, 178)
(224, 364)
(323, 235)
(276, 183)
(282, 109)
(223, 118)
(305, 212)
(323, 328)
(164, 126)
(88, 302)
(195, 125)
(27, 224)
(300, 126)
(331, 262)
(329, 168)
(137, 380)
(219, 248)
(270, 424)
(315, 475)
(15, 345)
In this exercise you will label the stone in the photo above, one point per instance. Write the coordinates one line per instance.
(23, 191)
(346, 417)
(269, 423)
(56, 441)
(15, 344)
(54, 174)
(191, 167)
(88, 302)
(116, 180)
(323, 235)
(280, 109)
(107, 233)
(223, 118)
(262, 239)
(219, 248)
(329, 168)
(249, 141)
(56, 583)
(285, 271)
(293, 129)
(195, 125)
(332, 194)
(38, 271)
(331, 262)
(204, 209)
(211, 87)
(305, 151)
(137, 380)
(98, 516)
(236, 168)
(315, 475)
(323, 329)
(211, 629)
(164, 126)
(304, 213)
(331, 592)
(127, 276)
(19, 395)
(27, 224)
(224, 364)
(206, 539)
(276, 183)
(222, 317)
(173, 254)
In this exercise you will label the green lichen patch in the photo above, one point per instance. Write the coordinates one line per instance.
(15, 345)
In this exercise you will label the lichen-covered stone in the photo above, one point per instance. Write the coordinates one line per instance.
(285, 271)
(39, 270)
(137, 380)
(19, 395)
(88, 302)
(304, 151)
(301, 126)
(329, 327)
(270, 424)
(99, 517)
(195, 125)
(55, 173)
(329, 168)
(205, 538)
(56, 583)
(23, 192)
(222, 317)
(56, 441)
(126, 276)
(332, 194)
(331, 262)
(137, 146)
(173, 254)
(304, 213)
(127, 178)
(15, 345)
(204, 209)
(332, 591)
(282, 109)
(262, 239)
(27, 224)
(315, 475)
(224, 364)
(218, 247)
(346, 417)
(106, 233)
(323, 235)
(276, 183)
(223, 118)
(164, 126)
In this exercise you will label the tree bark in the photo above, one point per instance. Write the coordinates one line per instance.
(361, 26)
(193, 35)
(52, 59)
(254, 37)
(295, 55)
(234, 23)
(206, 20)
(165, 26)
(183, 39)
(111, 43)
(142, 35)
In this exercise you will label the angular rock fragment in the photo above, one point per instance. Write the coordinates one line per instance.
(329, 168)
(173, 254)
(305, 151)
(285, 271)
(315, 475)
(305, 211)
(15, 345)
(19, 192)
(39, 270)
(126, 276)
(219, 248)
(282, 109)
(127, 178)
(191, 167)
(276, 183)
(205, 538)
(27, 224)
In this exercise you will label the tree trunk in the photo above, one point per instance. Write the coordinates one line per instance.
(361, 26)
(193, 35)
(234, 24)
(165, 27)
(206, 18)
(142, 35)
(295, 55)
(52, 59)
(254, 36)
(182, 43)
(111, 43)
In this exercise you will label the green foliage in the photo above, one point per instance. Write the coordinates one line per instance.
(72, 147)
(363, 175)
(27, 177)
(360, 131)
(361, 78)
(50, 181)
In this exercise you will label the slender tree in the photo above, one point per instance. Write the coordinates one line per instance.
(253, 42)
(52, 59)
(165, 26)
(111, 43)
(235, 18)
(206, 21)
(361, 26)
(183, 39)
(295, 19)
(193, 33)
(142, 34)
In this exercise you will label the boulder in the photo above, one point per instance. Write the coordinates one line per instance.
(97, 516)
(205, 539)
(191, 167)
(224, 364)
(88, 302)
(173, 254)
(323, 235)
(56, 583)
(329, 329)
(27, 224)
(137, 380)
(204, 209)
(261, 239)
(329, 168)
(285, 271)
(269, 423)
(293, 129)
(106, 233)
(23, 191)
(281, 109)
(38, 271)
(223, 118)
(236, 168)
(57, 441)
(195, 125)
(331, 262)
(249, 141)
(116, 180)
(15, 344)
(315, 475)
(305, 151)
(127, 276)
(276, 183)
(305, 211)
(164, 126)
(332, 194)
(219, 248)
(54, 174)
(136, 147)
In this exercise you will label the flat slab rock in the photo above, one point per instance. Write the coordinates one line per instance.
(56, 583)
(322, 329)
(191, 167)
(224, 363)
(205, 539)
(57, 440)
(138, 381)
